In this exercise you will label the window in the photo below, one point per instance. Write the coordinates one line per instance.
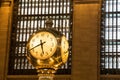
(110, 37)
(28, 17)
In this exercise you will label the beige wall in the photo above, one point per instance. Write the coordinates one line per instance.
(85, 41)
(4, 26)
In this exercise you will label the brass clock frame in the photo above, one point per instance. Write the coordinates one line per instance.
(54, 61)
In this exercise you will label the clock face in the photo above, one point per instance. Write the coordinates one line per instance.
(64, 49)
(42, 45)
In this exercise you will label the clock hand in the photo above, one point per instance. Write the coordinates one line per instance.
(42, 46)
(37, 45)
(65, 51)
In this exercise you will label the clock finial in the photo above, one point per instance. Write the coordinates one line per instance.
(49, 23)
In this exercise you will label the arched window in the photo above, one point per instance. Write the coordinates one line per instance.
(28, 17)
(110, 37)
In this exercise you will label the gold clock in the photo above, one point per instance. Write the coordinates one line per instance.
(47, 50)
(42, 44)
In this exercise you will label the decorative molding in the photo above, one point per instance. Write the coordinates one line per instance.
(35, 77)
(86, 1)
(5, 3)
(109, 77)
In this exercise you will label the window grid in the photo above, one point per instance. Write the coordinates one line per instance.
(28, 17)
(110, 37)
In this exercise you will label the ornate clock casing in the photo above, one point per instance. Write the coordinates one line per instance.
(47, 50)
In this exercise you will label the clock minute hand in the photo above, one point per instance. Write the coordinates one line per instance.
(37, 45)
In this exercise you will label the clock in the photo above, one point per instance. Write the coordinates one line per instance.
(42, 44)
(64, 49)
(47, 50)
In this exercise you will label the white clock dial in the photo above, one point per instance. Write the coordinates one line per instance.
(43, 45)
(64, 49)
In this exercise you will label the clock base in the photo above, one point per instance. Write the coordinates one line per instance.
(46, 74)
(46, 78)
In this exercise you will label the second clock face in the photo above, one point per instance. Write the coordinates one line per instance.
(42, 45)
(64, 49)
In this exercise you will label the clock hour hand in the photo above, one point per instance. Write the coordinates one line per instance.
(37, 45)
(42, 46)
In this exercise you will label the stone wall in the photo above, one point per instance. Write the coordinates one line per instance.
(85, 41)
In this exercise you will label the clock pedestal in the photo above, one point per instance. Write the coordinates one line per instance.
(46, 74)
(45, 77)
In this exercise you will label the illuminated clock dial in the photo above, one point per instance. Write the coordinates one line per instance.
(42, 45)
